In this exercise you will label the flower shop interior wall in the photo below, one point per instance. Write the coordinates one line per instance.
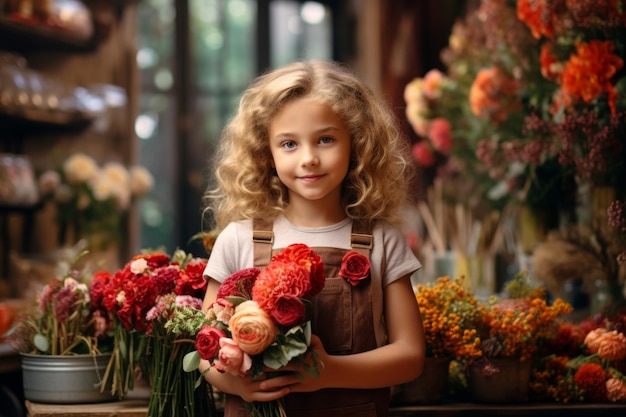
(69, 86)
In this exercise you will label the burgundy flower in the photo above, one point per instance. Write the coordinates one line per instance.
(238, 284)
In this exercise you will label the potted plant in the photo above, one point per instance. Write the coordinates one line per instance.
(512, 333)
(61, 338)
(449, 313)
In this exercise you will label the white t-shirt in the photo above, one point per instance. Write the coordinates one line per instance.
(390, 259)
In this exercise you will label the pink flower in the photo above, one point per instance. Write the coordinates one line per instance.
(232, 359)
(440, 135)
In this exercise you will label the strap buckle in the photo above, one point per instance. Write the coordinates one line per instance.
(361, 241)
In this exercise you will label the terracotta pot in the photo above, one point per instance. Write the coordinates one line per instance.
(508, 384)
(429, 388)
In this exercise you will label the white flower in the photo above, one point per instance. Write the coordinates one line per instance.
(80, 168)
(119, 178)
(141, 181)
(138, 266)
(102, 188)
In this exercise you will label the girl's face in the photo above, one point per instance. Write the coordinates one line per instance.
(310, 147)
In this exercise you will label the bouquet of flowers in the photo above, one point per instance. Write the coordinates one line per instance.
(92, 199)
(64, 320)
(260, 319)
(126, 296)
(175, 321)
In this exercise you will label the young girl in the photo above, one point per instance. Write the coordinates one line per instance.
(313, 157)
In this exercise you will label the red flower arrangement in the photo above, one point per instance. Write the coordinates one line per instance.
(260, 319)
(126, 296)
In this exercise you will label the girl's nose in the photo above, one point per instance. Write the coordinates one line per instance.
(309, 157)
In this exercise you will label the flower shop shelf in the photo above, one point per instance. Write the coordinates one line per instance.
(513, 410)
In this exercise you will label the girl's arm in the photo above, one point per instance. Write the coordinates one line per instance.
(400, 361)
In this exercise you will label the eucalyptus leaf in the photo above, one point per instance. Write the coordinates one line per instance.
(191, 361)
(287, 347)
(41, 342)
(236, 300)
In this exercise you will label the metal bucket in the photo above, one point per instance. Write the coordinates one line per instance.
(64, 379)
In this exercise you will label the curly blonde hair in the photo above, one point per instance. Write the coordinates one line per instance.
(377, 182)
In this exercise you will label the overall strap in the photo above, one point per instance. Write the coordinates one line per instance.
(361, 239)
(262, 239)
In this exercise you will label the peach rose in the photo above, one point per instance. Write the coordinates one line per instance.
(615, 390)
(593, 339)
(432, 83)
(252, 328)
(612, 346)
(231, 358)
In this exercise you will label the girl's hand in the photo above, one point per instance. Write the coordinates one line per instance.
(295, 377)
(259, 390)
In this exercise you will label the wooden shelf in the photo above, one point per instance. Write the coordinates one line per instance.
(32, 35)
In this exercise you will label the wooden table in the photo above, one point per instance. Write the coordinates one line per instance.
(125, 408)
(511, 410)
(139, 408)
(135, 404)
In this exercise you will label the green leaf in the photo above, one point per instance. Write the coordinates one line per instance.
(41, 342)
(286, 347)
(236, 300)
(191, 361)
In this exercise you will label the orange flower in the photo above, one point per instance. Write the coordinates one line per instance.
(550, 66)
(536, 14)
(448, 313)
(588, 73)
(493, 95)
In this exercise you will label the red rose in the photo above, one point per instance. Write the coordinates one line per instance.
(354, 267)
(288, 311)
(238, 284)
(208, 342)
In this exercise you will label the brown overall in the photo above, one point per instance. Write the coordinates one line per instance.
(343, 320)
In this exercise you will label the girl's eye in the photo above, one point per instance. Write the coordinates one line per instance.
(326, 139)
(288, 144)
